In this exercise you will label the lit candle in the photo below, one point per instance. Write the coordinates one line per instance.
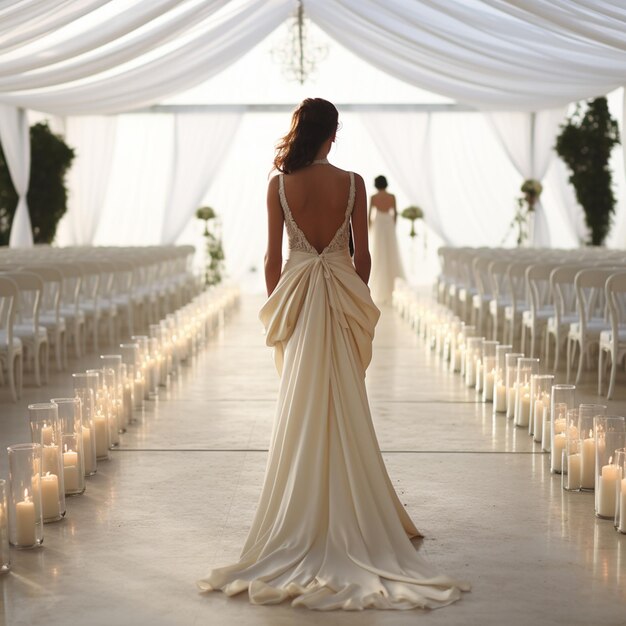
(50, 462)
(607, 489)
(70, 471)
(558, 445)
(100, 427)
(572, 480)
(622, 507)
(25, 521)
(500, 398)
(510, 404)
(588, 463)
(488, 385)
(46, 435)
(90, 464)
(523, 410)
(50, 496)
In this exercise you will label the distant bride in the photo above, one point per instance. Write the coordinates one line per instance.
(329, 531)
(386, 262)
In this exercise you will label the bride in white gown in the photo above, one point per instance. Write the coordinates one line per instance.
(386, 262)
(329, 531)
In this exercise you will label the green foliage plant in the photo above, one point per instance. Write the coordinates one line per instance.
(585, 144)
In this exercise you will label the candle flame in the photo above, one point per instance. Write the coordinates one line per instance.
(26, 496)
(590, 433)
(65, 447)
(610, 460)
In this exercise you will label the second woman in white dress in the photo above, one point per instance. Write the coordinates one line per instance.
(386, 262)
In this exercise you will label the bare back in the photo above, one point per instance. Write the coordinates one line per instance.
(317, 196)
(383, 201)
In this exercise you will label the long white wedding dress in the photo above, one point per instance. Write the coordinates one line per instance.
(386, 262)
(329, 531)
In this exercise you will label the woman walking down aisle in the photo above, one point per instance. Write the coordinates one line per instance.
(329, 531)
(386, 262)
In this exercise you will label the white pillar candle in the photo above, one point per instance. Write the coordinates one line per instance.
(100, 427)
(558, 445)
(500, 398)
(25, 521)
(510, 404)
(488, 386)
(608, 489)
(46, 435)
(70, 471)
(50, 459)
(479, 375)
(90, 461)
(546, 437)
(50, 496)
(588, 464)
(559, 425)
(538, 420)
(622, 507)
(572, 480)
(523, 410)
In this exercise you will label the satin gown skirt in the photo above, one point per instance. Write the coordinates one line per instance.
(329, 531)
(386, 262)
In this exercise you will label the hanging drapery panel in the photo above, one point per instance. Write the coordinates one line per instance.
(404, 142)
(201, 143)
(93, 138)
(203, 52)
(479, 54)
(15, 140)
(528, 139)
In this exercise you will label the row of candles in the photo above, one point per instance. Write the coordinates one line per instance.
(587, 447)
(70, 436)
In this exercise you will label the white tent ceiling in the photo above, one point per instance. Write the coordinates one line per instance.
(96, 56)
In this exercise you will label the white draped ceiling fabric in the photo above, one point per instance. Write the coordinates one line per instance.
(499, 55)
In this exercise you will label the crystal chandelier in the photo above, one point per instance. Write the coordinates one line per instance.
(298, 55)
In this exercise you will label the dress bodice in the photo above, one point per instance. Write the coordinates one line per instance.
(298, 240)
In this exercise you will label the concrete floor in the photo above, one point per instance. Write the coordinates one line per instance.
(178, 496)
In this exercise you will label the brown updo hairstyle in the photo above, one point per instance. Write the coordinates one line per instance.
(312, 123)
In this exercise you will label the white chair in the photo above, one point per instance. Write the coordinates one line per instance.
(564, 295)
(27, 328)
(483, 295)
(535, 319)
(122, 294)
(10, 347)
(499, 300)
(518, 300)
(70, 304)
(89, 300)
(49, 312)
(592, 318)
(613, 341)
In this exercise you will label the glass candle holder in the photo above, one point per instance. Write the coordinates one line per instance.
(86, 387)
(155, 368)
(45, 429)
(112, 367)
(87, 412)
(510, 375)
(540, 389)
(473, 352)
(499, 385)
(145, 363)
(24, 501)
(571, 455)
(620, 496)
(620, 508)
(610, 433)
(586, 413)
(70, 416)
(488, 377)
(526, 368)
(467, 331)
(128, 401)
(559, 394)
(103, 405)
(130, 358)
(559, 436)
(5, 554)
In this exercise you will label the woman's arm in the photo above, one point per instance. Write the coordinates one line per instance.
(274, 252)
(362, 261)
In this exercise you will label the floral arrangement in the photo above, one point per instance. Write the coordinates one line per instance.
(214, 250)
(531, 189)
(412, 213)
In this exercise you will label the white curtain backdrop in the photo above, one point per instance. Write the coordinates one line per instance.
(404, 141)
(201, 143)
(528, 139)
(93, 139)
(15, 140)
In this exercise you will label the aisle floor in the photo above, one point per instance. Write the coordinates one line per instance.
(179, 495)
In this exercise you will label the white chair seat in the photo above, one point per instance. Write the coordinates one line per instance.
(542, 314)
(606, 336)
(50, 321)
(73, 314)
(26, 330)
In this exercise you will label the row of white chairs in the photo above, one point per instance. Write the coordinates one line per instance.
(50, 297)
(536, 299)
